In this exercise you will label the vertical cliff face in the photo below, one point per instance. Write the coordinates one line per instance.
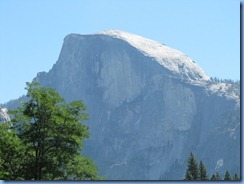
(149, 106)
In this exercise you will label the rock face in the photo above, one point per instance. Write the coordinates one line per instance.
(4, 117)
(149, 106)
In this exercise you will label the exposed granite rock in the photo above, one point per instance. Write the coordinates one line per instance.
(145, 118)
(4, 117)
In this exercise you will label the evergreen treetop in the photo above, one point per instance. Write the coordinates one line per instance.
(193, 169)
(227, 176)
(192, 172)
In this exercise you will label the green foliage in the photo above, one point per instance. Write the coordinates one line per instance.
(227, 176)
(236, 177)
(202, 172)
(216, 177)
(188, 176)
(192, 171)
(11, 154)
(81, 168)
(52, 134)
(213, 177)
(233, 86)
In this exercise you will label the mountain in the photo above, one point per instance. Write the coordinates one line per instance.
(149, 106)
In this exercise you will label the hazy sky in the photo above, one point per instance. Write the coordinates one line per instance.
(32, 32)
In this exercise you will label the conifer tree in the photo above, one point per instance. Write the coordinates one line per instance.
(218, 176)
(236, 177)
(227, 176)
(213, 177)
(202, 171)
(192, 172)
(188, 176)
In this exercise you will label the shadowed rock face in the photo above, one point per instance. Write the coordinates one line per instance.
(145, 118)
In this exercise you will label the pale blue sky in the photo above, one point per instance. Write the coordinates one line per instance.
(32, 32)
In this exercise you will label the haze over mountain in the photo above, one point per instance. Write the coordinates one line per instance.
(149, 106)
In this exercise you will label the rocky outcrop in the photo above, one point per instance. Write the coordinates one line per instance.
(4, 117)
(149, 106)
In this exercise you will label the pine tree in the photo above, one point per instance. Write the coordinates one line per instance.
(192, 172)
(236, 177)
(213, 177)
(188, 176)
(227, 176)
(202, 171)
(218, 176)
